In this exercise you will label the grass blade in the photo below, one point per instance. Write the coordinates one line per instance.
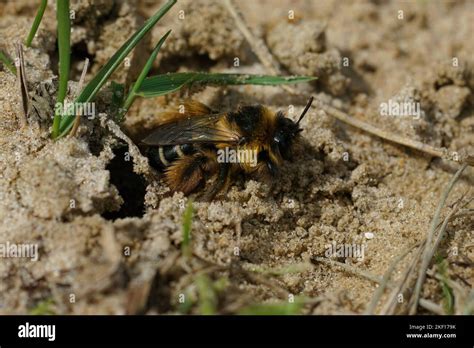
(36, 23)
(90, 91)
(64, 44)
(43, 308)
(187, 221)
(280, 308)
(448, 297)
(207, 295)
(7, 62)
(77, 121)
(428, 252)
(22, 84)
(136, 86)
(167, 83)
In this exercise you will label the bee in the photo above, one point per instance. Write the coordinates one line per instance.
(198, 144)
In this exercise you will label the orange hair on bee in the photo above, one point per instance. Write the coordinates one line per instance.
(184, 109)
(188, 173)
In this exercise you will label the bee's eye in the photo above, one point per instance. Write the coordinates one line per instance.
(273, 170)
(286, 131)
(264, 157)
(282, 144)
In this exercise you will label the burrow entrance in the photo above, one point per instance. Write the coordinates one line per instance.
(131, 186)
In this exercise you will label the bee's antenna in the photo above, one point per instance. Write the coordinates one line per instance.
(308, 105)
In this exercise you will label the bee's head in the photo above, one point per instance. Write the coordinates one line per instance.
(287, 131)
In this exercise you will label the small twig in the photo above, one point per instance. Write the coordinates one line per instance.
(363, 274)
(431, 306)
(389, 305)
(77, 121)
(445, 223)
(22, 85)
(366, 127)
(467, 212)
(83, 76)
(350, 269)
(256, 278)
(451, 283)
(257, 44)
(190, 277)
(278, 271)
(400, 288)
(461, 295)
(427, 253)
(386, 277)
(394, 138)
(402, 285)
(238, 304)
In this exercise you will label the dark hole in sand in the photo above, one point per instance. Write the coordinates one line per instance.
(131, 186)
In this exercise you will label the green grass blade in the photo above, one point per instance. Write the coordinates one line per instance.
(136, 86)
(167, 83)
(185, 306)
(207, 295)
(7, 62)
(448, 296)
(280, 308)
(187, 221)
(36, 22)
(64, 44)
(90, 91)
(43, 308)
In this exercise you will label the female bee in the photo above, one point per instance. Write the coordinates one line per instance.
(198, 144)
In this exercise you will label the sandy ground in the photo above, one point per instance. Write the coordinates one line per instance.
(109, 232)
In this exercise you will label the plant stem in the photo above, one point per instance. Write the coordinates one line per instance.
(22, 84)
(64, 44)
(36, 23)
(77, 121)
(93, 87)
(7, 62)
(187, 221)
(427, 254)
(136, 86)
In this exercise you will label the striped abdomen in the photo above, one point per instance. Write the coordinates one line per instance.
(163, 156)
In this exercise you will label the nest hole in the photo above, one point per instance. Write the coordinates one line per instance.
(131, 186)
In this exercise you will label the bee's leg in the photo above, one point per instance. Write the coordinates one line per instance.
(189, 173)
(221, 181)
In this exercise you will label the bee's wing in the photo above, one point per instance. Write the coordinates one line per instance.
(192, 130)
(182, 110)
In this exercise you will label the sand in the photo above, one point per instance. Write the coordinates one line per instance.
(108, 230)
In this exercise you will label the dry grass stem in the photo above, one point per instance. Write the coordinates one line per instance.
(22, 84)
(428, 252)
(77, 121)
(386, 277)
